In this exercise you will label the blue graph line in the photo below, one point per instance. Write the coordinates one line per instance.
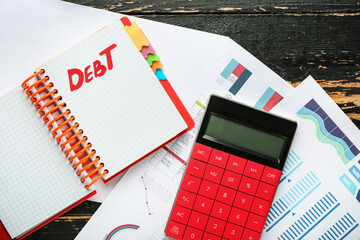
(340, 229)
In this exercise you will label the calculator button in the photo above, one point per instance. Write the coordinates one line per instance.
(238, 216)
(208, 236)
(190, 183)
(250, 235)
(226, 195)
(198, 220)
(196, 168)
(236, 164)
(255, 222)
(253, 170)
(220, 210)
(248, 185)
(185, 199)
(233, 232)
(243, 201)
(203, 204)
(213, 173)
(271, 175)
(265, 191)
(180, 214)
(175, 230)
(208, 189)
(201, 152)
(192, 233)
(260, 207)
(231, 179)
(215, 226)
(218, 158)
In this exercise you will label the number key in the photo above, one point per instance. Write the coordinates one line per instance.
(198, 220)
(243, 201)
(238, 216)
(225, 195)
(233, 232)
(203, 204)
(192, 233)
(208, 189)
(220, 210)
(215, 226)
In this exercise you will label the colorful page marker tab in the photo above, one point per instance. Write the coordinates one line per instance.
(152, 58)
(146, 50)
(156, 65)
(137, 36)
(160, 74)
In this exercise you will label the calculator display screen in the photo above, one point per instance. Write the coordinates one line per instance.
(244, 137)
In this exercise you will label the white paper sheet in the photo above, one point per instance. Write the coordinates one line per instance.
(151, 186)
(318, 196)
(32, 32)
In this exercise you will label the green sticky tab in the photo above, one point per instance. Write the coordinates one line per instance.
(151, 58)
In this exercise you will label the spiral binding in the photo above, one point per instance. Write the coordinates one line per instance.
(44, 97)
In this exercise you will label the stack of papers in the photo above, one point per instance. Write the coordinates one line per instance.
(318, 196)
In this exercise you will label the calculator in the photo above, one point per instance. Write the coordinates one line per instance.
(232, 174)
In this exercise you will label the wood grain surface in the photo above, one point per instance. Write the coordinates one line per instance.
(294, 38)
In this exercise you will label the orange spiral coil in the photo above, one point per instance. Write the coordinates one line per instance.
(48, 103)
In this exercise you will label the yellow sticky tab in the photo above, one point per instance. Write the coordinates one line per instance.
(156, 65)
(136, 36)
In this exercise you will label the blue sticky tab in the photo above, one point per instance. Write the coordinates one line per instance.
(355, 172)
(160, 74)
(358, 196)
(229, 68)
(348, 183)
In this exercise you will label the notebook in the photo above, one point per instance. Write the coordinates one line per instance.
(88, 114)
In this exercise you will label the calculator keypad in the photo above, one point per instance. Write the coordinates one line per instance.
(222, 196)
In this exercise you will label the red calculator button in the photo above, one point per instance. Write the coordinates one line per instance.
(208, 189)
(180, 214)
(203, 204)
(248, 185)
(253, 170)
(231, 179)
(243, 201)
(233, 232)
(260, 207)
(192, 233)
(208, 236)
(185, 199)
(225, 195)
(236, 164)
(250, 235)
(218, 158)
(215, 226)
(271, 175)
(190, 183)
(198, 220)
(220, 210)
(213, 173)
(238, 216)
(255, 222)
(265, 191)
(175, 230)
(196, 168)
(201, 152)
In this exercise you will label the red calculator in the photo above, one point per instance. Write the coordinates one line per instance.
(232, 174)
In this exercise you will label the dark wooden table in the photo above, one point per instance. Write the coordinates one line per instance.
(294, 39)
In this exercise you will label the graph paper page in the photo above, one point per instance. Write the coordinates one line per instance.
(125, 112)
(36, 180)
(318, 196)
